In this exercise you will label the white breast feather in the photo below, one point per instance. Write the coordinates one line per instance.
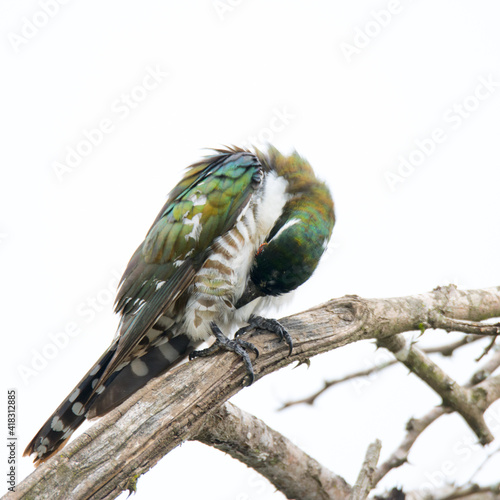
(268, 205)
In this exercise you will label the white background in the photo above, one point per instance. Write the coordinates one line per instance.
(352, 103)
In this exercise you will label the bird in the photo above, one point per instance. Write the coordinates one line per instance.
(240, 231)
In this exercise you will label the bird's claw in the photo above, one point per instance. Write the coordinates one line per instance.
(238, 346)
(269, 325)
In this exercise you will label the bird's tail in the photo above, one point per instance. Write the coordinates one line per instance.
(84, 402)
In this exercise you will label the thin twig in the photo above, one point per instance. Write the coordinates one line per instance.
(467, 492)
(487, 349)
(439, 320)
(362, 373)
(415, 427)
(483, 463)
(448, 349)
(444, 350)
(460, 399)
(486, 369)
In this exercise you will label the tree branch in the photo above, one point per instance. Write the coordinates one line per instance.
(252, 442)
(468, 492)
(364, 483)
(415, 427)
(487, 369)
(449, 349)
(460, 399)
(445, 350)
(330, 383)
(131, 439)
(439, 320)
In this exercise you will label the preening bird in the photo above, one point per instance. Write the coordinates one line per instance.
(240, 230)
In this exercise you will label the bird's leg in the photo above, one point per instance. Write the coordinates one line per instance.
(238, 346)
(270, 325)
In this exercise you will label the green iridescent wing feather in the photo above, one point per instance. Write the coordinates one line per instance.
(202, 207)
(208, 200)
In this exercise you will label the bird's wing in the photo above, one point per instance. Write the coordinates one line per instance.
(202, 207)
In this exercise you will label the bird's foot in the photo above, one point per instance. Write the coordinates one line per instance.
(238, 346)
(264, 325)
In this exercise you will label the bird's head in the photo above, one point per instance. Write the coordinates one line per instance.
(301, 234)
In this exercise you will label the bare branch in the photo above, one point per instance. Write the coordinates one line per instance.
(252, 442)
(364, 483)
(414, 428)
(487, 369)
(467, 492)
(445, 350)
(362, 373)
(449, 349)
(483, 463)
(487, 349)
(487, 392)
(439, 320)
(131, 439)
(454, 396)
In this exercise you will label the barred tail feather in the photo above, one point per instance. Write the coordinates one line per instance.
(70, 414)
(84, 402)
(140, 371)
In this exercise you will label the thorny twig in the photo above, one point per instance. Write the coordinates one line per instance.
(445, 350)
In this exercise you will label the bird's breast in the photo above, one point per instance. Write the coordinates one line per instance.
(223, 276)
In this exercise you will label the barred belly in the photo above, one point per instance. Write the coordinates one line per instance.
(222, 279)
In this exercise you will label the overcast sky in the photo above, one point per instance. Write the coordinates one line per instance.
(396, 105)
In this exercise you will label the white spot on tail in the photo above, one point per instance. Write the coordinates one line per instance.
(139, 368)
(95, 370)
(56, 424)
(168, 352)
(74, 395)
(77, 409)
(121, 366)
(41, 450)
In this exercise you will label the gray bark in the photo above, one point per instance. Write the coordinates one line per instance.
(127, 442)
